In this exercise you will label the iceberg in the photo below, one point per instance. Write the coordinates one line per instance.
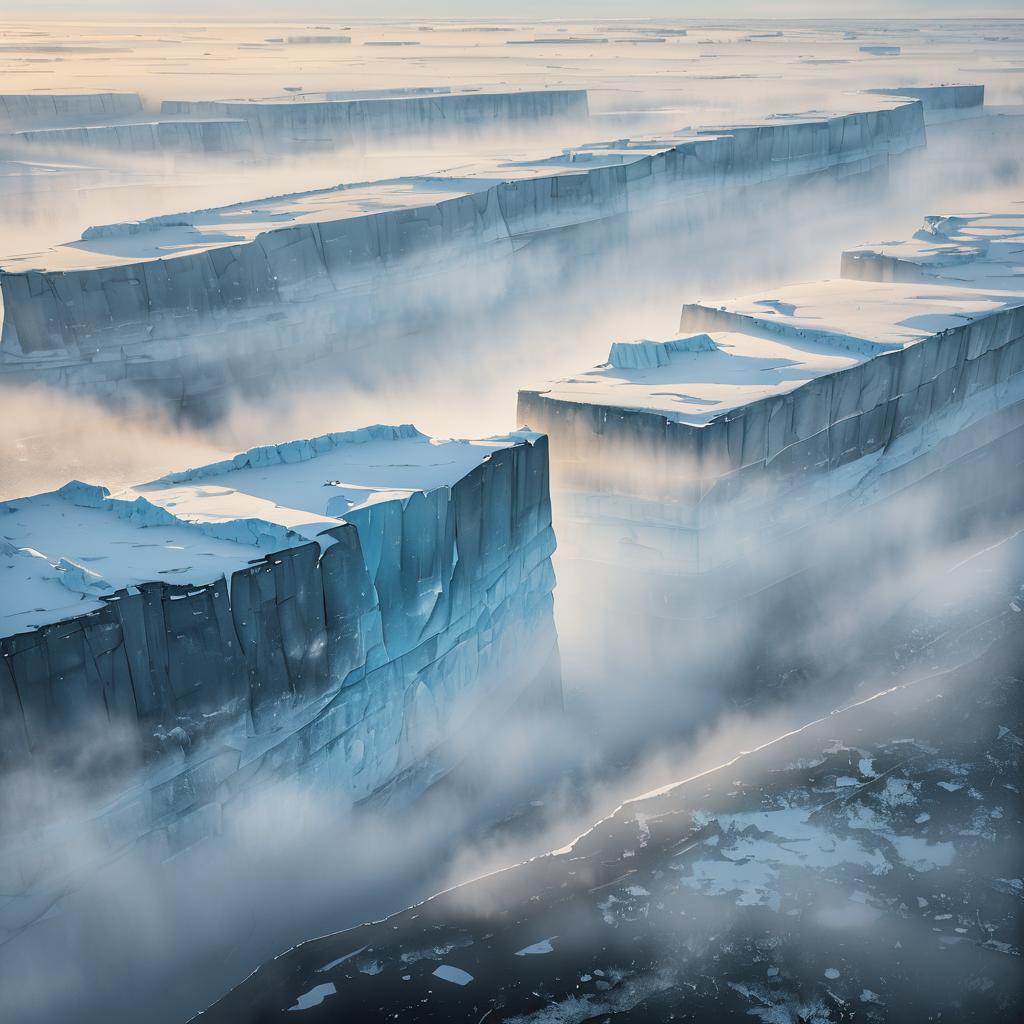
(241, 632)
(746, 461)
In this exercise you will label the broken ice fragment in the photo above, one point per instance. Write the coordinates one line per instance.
(453, 974)
(314, 997)
(544, 946)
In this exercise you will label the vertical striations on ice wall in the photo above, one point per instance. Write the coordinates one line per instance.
(344, 610)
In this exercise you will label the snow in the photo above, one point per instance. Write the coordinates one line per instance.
(67, 548)
(743, 350)
(693, 384)
(189, 233)
(756, 846)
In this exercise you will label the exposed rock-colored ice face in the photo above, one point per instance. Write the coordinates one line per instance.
(239, 631)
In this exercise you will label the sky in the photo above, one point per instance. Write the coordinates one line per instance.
(481, 9)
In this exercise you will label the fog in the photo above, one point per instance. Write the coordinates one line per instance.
(170, 937)
(173, 936)
(459, 354)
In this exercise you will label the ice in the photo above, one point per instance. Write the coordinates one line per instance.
(343, 614)
(544, 946)
(693, 470)
(922, 855)
(19, 108)
(314, 997)
(455, 975)
(135, 295)
(340, 960)
(348, 120)
(222, 612)
(184, 137)
(81, 579)
(638, 355)
(755, 846)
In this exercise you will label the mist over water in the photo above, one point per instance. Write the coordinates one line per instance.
(174, 936)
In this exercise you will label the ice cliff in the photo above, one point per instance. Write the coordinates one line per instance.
(302, 123)
(179, 309)
(340, 610)
(766, 442)
(43, 107)
(354, 121)
(210, 136)
(941, 102)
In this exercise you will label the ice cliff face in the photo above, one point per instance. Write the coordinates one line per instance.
(302, 123)
(20, 108)
(833, 867)
(941, 102)
(351, 121)
(766, 444)
(350, 650)
(237, 301)
(224, 136)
